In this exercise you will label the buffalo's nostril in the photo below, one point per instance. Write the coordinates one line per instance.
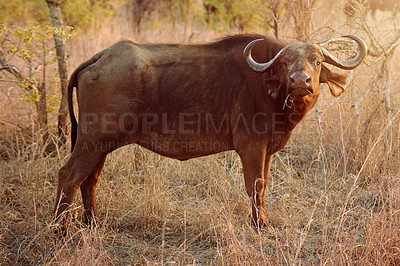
(308, 80)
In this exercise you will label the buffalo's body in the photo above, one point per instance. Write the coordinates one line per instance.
(161, 95)
(186, 101)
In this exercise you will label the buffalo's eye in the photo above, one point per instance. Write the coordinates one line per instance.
(317, 63)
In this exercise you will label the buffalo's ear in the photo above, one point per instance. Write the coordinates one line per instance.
(336, 82)
(273, 87)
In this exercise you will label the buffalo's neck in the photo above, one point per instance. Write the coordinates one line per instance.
(284, 120)
(296, 109)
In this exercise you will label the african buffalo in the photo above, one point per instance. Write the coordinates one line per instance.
(187, 101)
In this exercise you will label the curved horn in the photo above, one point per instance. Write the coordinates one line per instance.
(259, 67)
(347, 64)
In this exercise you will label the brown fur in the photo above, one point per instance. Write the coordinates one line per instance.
(186, 101)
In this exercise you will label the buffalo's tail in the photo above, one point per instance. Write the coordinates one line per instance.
(73, 82)
(74, 123)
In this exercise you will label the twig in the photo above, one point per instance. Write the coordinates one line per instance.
(366, 123)
(387, 97)
(12, 124)
(10, 68)
(386, 52)
(366, 93)
(321, 113)
(9, 81)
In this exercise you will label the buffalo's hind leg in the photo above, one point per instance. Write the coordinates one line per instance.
(82, 163)
(88, 191)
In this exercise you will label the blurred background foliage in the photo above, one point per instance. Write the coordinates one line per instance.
(76, 13)
(85, 14)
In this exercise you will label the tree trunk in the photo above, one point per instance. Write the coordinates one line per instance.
(138, 7)
(41, 109)
(57, 22)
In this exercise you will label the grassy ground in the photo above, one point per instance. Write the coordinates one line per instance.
(321, 209)
(333, 196)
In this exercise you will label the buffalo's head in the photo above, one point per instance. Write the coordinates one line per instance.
(301, 68)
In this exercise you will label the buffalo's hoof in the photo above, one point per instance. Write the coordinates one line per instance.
(260, 220)
(260, 223)
(60, 231)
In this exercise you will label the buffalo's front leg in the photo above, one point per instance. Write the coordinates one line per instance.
(255, 161)
(267, 169)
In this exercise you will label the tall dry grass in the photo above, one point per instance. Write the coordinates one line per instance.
(333, 196)
(160, 211)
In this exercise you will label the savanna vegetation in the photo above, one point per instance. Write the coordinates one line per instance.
(333, 196)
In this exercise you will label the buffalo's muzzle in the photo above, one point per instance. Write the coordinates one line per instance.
(300, 80)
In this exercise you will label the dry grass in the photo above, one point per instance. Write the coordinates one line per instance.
(332, 199)
(159, 210)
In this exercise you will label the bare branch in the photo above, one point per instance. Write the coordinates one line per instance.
(387, 99)
(321, 113)
(369, 119)
(11, 69)
(10, 81)
(366, 93)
